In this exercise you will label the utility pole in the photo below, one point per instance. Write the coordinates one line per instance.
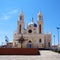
(58, 34)
(54, 41)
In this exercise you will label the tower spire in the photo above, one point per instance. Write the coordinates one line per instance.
(40, 17)
(21, 16)
(21, 13)
(32, 19)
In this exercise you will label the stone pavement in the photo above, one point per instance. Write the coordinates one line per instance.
(45, 55)
(49, 55)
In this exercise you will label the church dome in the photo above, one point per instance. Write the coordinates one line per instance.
(35, 25)
(32, 23)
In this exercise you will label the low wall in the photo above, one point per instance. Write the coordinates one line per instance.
(19, 51)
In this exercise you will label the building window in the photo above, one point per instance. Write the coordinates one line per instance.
(20, 29)
(34, 28)
(39, 40)
(40, 28)
(48, 44)
(20, 17)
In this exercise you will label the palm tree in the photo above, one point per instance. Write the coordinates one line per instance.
(21, 40)
(6, 39)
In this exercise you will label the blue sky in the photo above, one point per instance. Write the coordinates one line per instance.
(10, 10)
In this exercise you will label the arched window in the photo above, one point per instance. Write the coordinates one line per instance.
(48, 44)
(40, 41)
(20, 29)
(20, 17)
(40, 28)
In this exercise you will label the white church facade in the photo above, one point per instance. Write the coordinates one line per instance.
(33, 36)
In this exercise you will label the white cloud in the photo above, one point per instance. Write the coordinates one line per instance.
(13, 11)
(5, 17)
(8, 15)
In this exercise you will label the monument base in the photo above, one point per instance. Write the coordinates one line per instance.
(19, 51)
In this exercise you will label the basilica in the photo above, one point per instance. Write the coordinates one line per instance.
(33, 35)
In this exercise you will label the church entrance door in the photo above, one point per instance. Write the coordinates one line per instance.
(29, 44)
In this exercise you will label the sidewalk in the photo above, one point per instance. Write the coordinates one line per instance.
(45, 55)
(49, 55)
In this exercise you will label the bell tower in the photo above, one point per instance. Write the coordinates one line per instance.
(20, 23)
(40, 23)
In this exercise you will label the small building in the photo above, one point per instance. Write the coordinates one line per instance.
(8, 45)
(55, 47)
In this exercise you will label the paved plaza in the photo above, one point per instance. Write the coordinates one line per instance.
(45, 55)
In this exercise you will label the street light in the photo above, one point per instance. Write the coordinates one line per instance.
(54, 41)
(58, 34)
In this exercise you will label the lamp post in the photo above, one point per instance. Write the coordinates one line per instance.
(58, 34)
(54, 41)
